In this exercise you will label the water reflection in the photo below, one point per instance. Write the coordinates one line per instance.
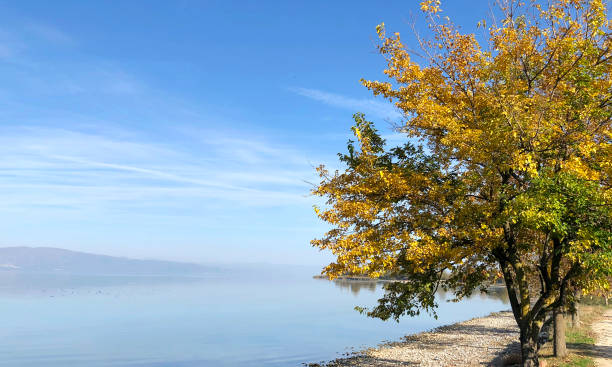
(494, 293)
(497, 293)
(355, 286)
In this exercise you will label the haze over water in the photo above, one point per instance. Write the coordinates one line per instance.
(250, 317)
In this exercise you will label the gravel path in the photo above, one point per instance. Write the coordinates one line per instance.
(603, 347)
(481, 341)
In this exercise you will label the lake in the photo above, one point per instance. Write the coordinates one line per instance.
(249, 317)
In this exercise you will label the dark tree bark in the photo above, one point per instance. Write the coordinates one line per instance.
(529, 327)
(530, 311)
(529, 350)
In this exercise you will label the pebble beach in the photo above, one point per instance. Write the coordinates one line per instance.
(483, 341)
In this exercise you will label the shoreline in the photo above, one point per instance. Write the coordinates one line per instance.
(490, 340)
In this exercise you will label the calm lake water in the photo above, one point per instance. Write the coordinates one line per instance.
(249, 318)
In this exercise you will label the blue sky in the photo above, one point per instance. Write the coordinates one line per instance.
(184, 130)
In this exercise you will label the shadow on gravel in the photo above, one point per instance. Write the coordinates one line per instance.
(590, 350)
(504, 356)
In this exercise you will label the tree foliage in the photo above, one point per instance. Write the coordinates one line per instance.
(511, 174)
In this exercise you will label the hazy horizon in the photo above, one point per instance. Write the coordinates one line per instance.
(205, 263)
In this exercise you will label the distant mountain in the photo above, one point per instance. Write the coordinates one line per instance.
(55, 260)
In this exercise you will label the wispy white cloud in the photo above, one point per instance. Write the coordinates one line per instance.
(367, 106)
(49, 33)
(76, 170)
(115, 82)
(11, 46)
(249, 149)
(17, 42)
(21, 46)
(82, 80)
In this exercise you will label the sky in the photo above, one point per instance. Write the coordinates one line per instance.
(185, 130)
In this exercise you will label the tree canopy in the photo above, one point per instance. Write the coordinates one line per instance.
(506, 168)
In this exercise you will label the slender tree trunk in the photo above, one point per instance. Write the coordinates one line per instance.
(575, 308)
(559, 346)
(575, 316)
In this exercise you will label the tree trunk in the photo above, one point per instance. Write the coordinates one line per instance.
(559, 346)
(529, 351)
(575, 308)
(575, 316)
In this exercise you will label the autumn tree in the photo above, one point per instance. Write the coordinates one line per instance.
(505, 173)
